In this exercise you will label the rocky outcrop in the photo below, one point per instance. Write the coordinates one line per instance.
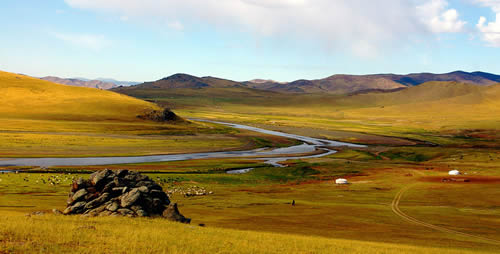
(121, 193)
(165, 115)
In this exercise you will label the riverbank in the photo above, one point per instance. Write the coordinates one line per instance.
(311, 148)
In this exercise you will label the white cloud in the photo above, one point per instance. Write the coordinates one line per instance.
(490, 31)
(277, 3)
(176, 25)
(438, 18)
(364, 49)
(89, 41)
(360, 25)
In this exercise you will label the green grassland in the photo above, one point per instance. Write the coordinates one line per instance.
(39, 118)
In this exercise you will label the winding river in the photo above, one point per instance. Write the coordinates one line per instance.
(311, 147)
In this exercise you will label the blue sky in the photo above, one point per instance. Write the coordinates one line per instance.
(245, 39)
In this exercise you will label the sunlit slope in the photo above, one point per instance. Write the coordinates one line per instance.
(26, 97)
(22, 234)
(428, 111)
(428, 92)
(436, 105)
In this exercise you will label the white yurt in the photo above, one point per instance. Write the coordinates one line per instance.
(341, 181)
(454, 173)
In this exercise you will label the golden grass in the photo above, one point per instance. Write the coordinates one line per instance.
(424, 112)
(27, 97)
(87, 145)
(61, 234)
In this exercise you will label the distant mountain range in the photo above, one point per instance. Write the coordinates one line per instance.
(101, 83)
(336, 84)
(82, 83)
(118, 82)
(342, 84)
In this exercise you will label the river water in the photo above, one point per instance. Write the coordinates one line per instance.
(312, 146)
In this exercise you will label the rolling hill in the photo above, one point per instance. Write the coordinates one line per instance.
(81, 83)
(44, 119)
(27, 97)
(475, 78)
(428, 111)
(180, 80)
(424, 93)
(336, 84)
(344, 84)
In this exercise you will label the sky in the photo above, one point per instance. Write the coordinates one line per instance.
(283, 40)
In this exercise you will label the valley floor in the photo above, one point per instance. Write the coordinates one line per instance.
(447, 216)
(53, 138)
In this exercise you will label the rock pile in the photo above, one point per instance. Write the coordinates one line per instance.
(120, 193)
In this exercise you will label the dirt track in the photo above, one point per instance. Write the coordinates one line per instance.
(397, 211)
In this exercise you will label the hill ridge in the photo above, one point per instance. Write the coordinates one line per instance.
(334, 84)
(32, 98)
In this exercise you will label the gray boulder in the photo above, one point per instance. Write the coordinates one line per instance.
(113, 207)
(97, 178)
(79, 195)
(98, 201)
(130, 197)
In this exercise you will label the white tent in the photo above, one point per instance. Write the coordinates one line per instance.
(341, 181)
(454, 173)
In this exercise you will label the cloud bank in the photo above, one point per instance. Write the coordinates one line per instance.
(363, 26)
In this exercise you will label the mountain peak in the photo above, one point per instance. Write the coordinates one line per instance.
(180, 76)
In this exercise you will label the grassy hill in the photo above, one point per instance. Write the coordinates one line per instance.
(433, 111)
(41, 118)
(445, 100)
(26, 97)
(427, 92)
